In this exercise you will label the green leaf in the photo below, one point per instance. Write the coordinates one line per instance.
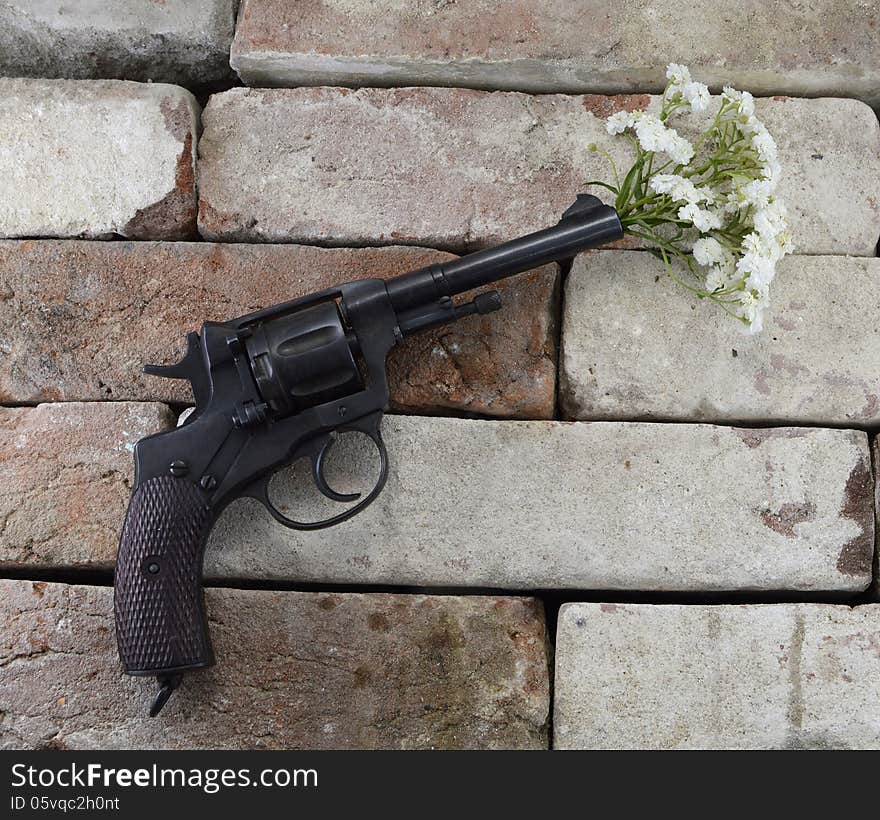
(603, 184)
(626, 188)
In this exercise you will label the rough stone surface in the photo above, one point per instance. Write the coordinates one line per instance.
(79, 319)
(635, 346)
(794, 676)
(65, 479)
(875, 585)
(172, 41)
(517, 505)
(294, 670)
(536, 505)
(97, 159)
(452, 169)
(776, 47)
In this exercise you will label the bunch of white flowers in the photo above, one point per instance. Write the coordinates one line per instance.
(716, 195)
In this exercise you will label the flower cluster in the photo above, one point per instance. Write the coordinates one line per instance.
(716, 195)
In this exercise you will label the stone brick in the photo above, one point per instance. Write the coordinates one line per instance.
(97, 159)
(452, 169)
(79, 319)
(65, 478)
(792, 676)
(534, 505)
(516, 505)
(294, 671)
(172, 41)
(639, 347)
(772, 47)
(875, 585)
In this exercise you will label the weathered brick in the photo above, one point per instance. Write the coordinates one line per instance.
(525, 505)
(773, 47)
(790, 676)
(875, 585)
(79, 319)
(635, 346)
(65, 478)
(453, 169)
(97, 159)
(588, 506)
(294, 670)
(172, 41)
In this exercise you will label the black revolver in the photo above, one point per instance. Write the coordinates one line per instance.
(271, 388)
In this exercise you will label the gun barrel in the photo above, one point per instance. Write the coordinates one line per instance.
(587, 224)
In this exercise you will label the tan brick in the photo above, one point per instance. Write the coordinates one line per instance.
(294, 671)
(510, 504)
(792, 676)
(454, 169)
(638, 346)
(820, 48)
(97, 158)
(65, 478)
(79, 319)
(534, 505)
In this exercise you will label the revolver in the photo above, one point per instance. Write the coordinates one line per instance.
(274, 387)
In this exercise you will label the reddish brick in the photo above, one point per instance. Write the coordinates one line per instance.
(79, 319)
(294, 671)
(65, 479)
(823, 48)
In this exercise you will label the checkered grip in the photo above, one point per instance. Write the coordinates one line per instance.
(160, 610)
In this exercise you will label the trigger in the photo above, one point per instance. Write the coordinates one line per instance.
(321, 481)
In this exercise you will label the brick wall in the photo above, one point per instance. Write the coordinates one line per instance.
(604, 477)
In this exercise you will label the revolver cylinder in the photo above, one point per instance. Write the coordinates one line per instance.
(303, 359)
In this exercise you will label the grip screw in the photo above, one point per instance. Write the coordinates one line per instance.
(179, 468)
(153, 568)
(208, 482)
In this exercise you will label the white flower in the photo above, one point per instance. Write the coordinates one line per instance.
(709, 251)
(731, 187)
(702, 220)
(785, 242)
(721, 277)
(772, 171)
(771, 221)
(751, 307)
(764, 144)
(753, 243)
(746, 105)
(619, 122)
(756, 270)
(721, 264)
(679, 74)
(730, 93)
(680, 189)
(653, 135)
(715, 280)
(681, 86)
(758, 192)
(697, 95)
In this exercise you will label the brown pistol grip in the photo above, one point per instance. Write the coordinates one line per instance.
(161, 625)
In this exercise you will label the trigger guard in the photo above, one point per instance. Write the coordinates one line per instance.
(260, 488)
(321, 481)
